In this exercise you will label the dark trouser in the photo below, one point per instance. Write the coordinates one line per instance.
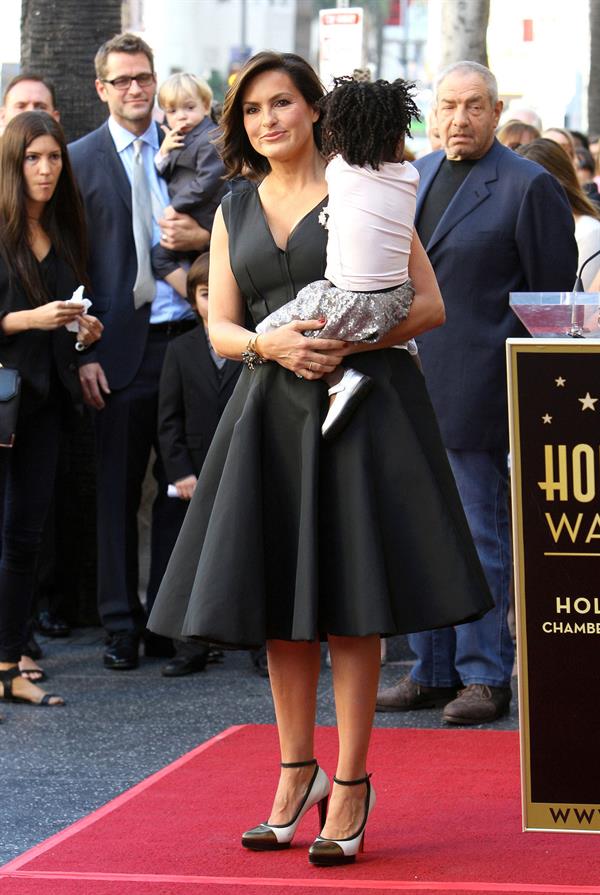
(126, 431)
(479, 652)
(27, 493)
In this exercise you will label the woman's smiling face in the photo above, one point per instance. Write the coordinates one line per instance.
(277, 118)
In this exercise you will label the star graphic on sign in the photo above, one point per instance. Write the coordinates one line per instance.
(588, 402)
(560, 382)
(546, 419)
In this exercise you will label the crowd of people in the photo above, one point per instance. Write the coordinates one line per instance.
(320, 475)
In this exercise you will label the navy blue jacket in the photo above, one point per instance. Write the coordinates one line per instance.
(508, 228)
(112, 264)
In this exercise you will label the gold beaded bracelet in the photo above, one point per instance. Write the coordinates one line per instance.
(250, 355)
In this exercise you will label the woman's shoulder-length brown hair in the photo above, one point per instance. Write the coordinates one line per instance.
(63, 217)
(553, 158)
(234, 146)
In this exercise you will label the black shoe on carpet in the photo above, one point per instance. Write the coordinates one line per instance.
(180, 665)
(122, 651)
(52, 625)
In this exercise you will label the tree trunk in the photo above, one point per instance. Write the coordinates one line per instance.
(594, 83)
(464, 27)
(59, 39)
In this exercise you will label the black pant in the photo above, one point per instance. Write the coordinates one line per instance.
(126, 431)
(28, 484)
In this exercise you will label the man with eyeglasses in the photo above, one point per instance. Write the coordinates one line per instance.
(124, 201)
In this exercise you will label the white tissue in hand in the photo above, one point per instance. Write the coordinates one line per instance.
(79, 299)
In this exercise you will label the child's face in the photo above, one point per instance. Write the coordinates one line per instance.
(202, 301)
(188, 113)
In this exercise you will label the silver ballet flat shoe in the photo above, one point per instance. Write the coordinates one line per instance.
(349, 391)
(274, 837)
(333, 852)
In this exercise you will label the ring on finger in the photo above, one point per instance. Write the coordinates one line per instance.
(310, 366)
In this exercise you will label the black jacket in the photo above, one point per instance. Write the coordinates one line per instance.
(192, 397)
(34, 352)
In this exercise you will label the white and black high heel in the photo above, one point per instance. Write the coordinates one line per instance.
(332, 852)
(273, 837)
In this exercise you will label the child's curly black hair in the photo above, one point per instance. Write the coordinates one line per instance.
(364, 121)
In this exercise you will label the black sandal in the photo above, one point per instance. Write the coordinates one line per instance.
(40, 674)
(6, 679)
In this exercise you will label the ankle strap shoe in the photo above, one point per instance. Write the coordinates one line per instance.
(332, 852)
(274, 837)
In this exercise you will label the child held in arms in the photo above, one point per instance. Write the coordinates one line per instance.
(370, 222)
(190, 164)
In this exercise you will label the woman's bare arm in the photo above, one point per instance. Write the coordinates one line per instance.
(48, 316)
(286, 345)
(225, 302)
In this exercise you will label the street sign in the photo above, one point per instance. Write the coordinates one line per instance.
(340, 42)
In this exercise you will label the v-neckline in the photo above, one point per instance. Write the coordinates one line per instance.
(46, 256)
(298, 223)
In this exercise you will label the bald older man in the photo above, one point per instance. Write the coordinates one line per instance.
(28, 92)
(492, 223)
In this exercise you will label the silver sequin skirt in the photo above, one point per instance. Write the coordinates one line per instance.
(351, 316)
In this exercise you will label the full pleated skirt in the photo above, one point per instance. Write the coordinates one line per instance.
(292, 537)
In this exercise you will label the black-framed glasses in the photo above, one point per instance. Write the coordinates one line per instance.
(144, 79)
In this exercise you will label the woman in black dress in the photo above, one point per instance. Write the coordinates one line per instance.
(289, 538)
(42, 262)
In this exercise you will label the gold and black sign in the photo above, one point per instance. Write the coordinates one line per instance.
(554, 404)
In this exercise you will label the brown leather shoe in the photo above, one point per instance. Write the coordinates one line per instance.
(407, 695)
(478, 704)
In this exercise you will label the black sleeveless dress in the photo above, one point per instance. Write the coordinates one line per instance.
(292, 537)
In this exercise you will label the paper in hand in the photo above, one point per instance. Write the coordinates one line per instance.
(79, 299)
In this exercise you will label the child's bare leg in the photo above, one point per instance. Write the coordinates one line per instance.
(178, 280)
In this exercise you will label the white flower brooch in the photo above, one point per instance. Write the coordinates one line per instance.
(323, 217)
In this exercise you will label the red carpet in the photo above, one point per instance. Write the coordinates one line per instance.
(447, 821)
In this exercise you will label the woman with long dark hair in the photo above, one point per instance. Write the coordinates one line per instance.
(42, 262)
(291, 539)
(551, 156)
